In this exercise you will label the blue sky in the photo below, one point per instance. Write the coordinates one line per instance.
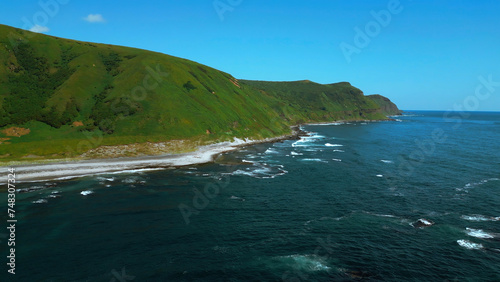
(423, 55)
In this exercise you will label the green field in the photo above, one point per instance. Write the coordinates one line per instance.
(120, 95)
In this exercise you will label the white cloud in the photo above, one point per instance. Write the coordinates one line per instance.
(39, 29)
(94, 18)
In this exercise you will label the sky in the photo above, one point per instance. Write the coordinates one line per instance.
(423, 55)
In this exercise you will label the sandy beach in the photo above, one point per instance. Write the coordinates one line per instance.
(74, 169)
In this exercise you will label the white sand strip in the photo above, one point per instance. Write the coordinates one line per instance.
(67, 170)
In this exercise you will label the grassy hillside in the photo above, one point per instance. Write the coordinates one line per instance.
(306, 101)
(59, 98)
(387, 107)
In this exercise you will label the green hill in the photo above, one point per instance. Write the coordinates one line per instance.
(59, 98)
(387, 107)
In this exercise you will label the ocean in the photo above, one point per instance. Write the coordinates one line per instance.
(340, 204)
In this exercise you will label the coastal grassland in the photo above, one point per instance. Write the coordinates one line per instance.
(385, 104)
(76, 96)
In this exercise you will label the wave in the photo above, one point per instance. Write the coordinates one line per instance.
(30, 189)
(469, 245)
(100, 178)
(387, 161)
(236, 198)
(261, 172)
(338, 151)
(422, 223)
(328, 123)
(337, 160)
(133, 180)
(293, 153)
(475, 184)
(478, 218)
(381, 215)
(379, 175)
(271, 151)
(40, 201)
(310, 138)
(86, 193)
(251, 156)
(314, 160)
(478, 233)
(333, 145)
(139, 171)
(325, 218)
(304, 262)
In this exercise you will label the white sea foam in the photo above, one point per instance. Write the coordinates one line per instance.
(110, 179)
(478, 233)
(469, 245)
(475, 184)
(425, 221)
(382, 215)
(30, 189)
(261, 171)
(422, 223)
(305, 262)
(41, 201)
(324, 218)
(333, 145)
(314, 160)
(380, 175)
(387, 161)
(328, 123)
(86, 193)
(306, 141)
(338, 151)
(299, 143)
(337, 160)
(478, 218)
(293, 153)
(271, 151)
(236, 198)
(136, 180)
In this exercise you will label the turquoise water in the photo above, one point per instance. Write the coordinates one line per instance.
(336, 205)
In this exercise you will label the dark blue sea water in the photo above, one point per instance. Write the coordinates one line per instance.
(336, 205)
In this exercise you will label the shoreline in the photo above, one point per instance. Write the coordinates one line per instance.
(65, 170)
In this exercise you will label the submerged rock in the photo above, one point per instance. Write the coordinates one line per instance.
(421, 223)
(358, 274)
